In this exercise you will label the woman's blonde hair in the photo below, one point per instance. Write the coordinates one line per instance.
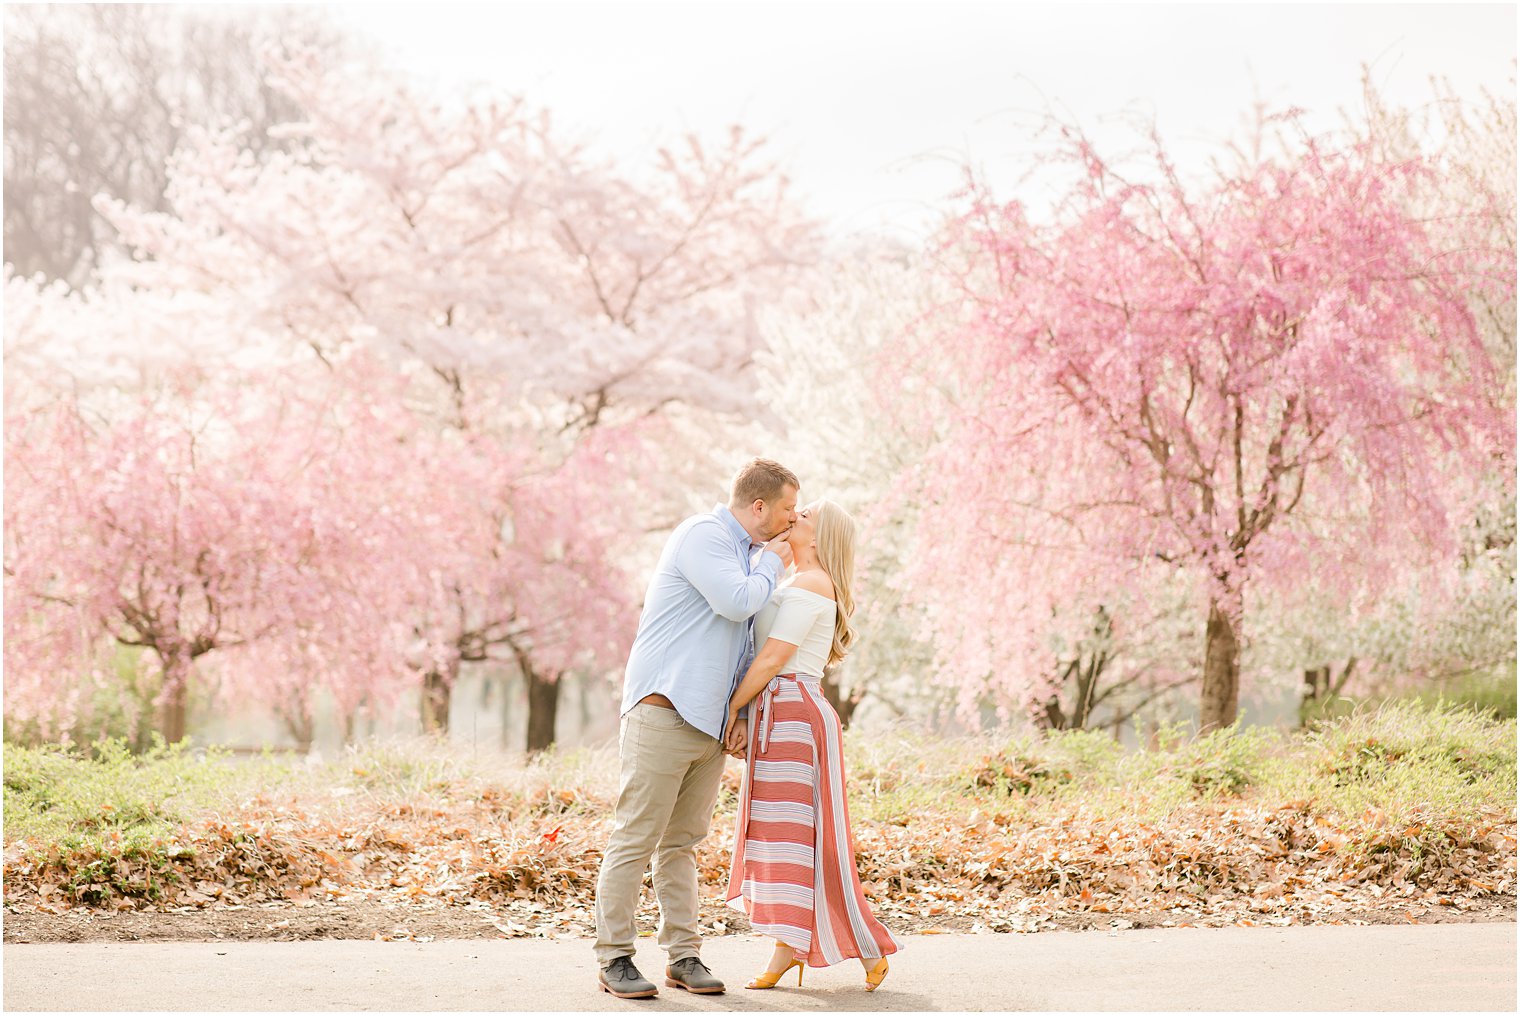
(836, 531)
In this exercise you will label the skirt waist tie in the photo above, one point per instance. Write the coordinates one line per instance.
(768, 696)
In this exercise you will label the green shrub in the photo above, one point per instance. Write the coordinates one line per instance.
(1221, 763)
(1328, 709)
(1012, 770)
(1370, 743)
(1093, 755)
(1412, 848)
(54, 792)
(1406, 754)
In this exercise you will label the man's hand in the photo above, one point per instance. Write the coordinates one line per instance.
(781, 548)
(736, 740)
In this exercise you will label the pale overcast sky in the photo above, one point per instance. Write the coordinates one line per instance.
(872, 105)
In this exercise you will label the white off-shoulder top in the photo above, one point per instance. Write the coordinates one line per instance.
(802, 618)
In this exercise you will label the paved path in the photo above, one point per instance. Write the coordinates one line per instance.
(1445, 967)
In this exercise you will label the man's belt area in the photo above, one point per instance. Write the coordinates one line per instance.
(657, 699)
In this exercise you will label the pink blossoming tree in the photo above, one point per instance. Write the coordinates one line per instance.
(547, 304)
(1273, 379)
(191, 526)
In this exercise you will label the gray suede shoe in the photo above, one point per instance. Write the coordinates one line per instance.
(621, 978)
(690, 974)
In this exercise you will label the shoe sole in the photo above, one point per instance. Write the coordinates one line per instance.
(631, 995)
(694, 990)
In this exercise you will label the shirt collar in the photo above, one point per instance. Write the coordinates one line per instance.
(734, 528)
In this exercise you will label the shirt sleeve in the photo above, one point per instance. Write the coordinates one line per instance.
(795, 618)
(706, 558)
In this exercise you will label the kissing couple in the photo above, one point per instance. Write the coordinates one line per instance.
(748, 604)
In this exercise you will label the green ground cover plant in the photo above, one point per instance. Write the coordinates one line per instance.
(1490, 691)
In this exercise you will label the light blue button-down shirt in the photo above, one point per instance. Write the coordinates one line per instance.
(696, 633)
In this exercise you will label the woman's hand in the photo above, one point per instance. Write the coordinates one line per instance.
(768, 662)
(736, 737)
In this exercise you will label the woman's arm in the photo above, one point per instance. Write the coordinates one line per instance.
(768, 662)
(790, 628)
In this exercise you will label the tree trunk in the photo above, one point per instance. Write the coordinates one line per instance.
(437, 695)
(173, 714)
(302, 729)
(1316, 686)
(1087, 684)
(1343, 679)
(845, 706)
(175, 701)
(543, 708)
(1221, 671)
(1052, 716)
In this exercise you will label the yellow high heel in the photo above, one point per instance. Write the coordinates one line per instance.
(765, 981)
(877, 974)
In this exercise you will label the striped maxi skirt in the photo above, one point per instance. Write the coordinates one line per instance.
(794, 855)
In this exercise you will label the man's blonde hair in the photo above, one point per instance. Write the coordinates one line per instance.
(761, 479)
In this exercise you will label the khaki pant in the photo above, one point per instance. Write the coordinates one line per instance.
(669, 784)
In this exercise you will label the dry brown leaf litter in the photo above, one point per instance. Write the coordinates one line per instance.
(530, 867)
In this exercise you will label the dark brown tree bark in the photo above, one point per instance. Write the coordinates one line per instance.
(1220, 700)
(1319, 687)
(437, 696)
(173, 711)
(845, 705)
(543, 707)
(1083, 675)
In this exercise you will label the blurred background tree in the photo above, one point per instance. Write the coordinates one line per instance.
(98, 96)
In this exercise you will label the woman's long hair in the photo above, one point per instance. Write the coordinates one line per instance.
(836, 554)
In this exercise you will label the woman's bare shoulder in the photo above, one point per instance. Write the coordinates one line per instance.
(815, 582)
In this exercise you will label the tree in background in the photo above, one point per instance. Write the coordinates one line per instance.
(845, 437)
(572, 527)
(853, 438)
(551, 302)
(225, 522)
(459, 368)
(1114, 673)
(98, 96)
(521, 566)
(349, 445)
(471, 245)
(1274, 377)
(1410, 638)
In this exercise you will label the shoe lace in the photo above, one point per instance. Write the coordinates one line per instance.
(622, 967)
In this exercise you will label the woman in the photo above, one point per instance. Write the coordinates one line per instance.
(794, 857)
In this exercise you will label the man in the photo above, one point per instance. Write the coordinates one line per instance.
(694, 642)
